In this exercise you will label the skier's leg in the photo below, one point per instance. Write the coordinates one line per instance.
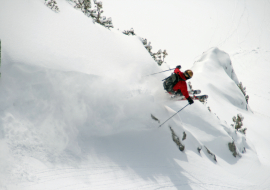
(178, 92)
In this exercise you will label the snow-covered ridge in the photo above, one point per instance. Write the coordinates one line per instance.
(214, 73)
(220, 58)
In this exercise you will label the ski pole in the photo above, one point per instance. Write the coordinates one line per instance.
(179, 67)
(173, 115)
(159, 72)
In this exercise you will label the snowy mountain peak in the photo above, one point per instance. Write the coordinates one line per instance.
(215, 76)
(219, 58)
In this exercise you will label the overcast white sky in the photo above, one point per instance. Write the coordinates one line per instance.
(186, 29)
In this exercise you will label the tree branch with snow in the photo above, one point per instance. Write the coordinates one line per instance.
(95, 13)
(243, 90)
(159, 56)
(52, 4)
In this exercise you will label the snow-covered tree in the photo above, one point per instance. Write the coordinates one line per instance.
(233, 149)
(238, 123)
(84, 5)
(52, 4)
(147, 45)
(159, 56)
(95, 13)
(129, 32)
(243, 90)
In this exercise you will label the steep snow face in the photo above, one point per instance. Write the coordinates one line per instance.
(77, 42)
(76, 111)
(219, 59)
(64, 76)
(214, 74)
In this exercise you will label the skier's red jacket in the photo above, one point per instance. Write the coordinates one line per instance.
(181, 85)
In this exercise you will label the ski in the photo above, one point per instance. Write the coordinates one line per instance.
(201, 98)
(191, 93)
(194, 92)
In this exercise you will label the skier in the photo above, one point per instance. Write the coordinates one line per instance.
(181, 86)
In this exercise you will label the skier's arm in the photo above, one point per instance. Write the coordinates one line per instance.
(177, 71)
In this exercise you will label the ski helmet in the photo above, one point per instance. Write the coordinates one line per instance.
(188, 74)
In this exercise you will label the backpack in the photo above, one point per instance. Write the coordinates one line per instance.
(171, 81)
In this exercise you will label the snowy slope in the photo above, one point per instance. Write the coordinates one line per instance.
(76, 111)
(240, 28)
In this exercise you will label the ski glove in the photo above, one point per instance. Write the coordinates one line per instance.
(178, 66)
(190, 101)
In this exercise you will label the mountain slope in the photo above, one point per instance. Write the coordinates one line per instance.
(77, 104)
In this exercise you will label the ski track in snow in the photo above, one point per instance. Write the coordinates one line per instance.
(71, 173)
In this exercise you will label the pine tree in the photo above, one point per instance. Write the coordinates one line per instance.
(96, 13)
(233, 149)
(129, 32)
(159, 56)
(238, 123)
(52, 4)
(243, 90)
(84, 5)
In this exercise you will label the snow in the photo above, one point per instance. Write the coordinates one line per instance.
(76, 101)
